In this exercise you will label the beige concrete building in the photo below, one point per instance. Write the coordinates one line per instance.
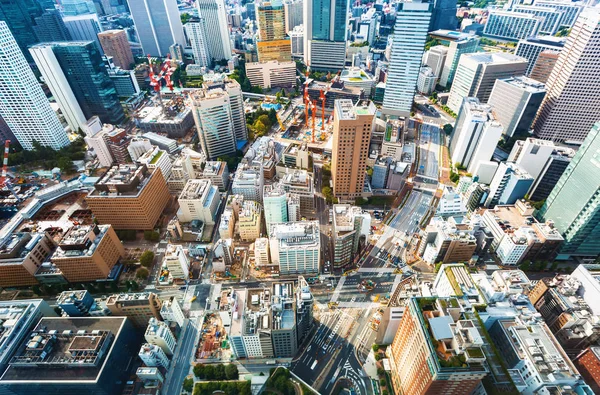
(115, 44)
(139, 307)
(352, 128)
(88, 253)
(129, 197)
(272, 74)
(250, 221)
(544, 64)
(21, 255)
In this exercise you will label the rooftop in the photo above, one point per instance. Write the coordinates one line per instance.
(80, 240)
(196, 189)
(65, 349)
(451, 35)
(493, 57)
(526, 84)
(122, 180)
(296, 234)
(346, 109)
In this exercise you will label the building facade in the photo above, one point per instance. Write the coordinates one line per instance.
(158, 25)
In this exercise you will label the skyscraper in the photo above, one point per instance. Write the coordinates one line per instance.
(84, 27)
(158, 25)
(572, 104)
(408, 43)
(444, 15)
(325, 26)
(510, 183)
(435, 58)
(273, 43)
(477, 73)
(196, 33)
(77, 7)
(574, 203)
(293, 14)
(213, 13)
(115, 44)
(544, 65)
(23, 104)
(352, 128)
(20, 16)
(50, 27)
(455, 50)
(81, 65)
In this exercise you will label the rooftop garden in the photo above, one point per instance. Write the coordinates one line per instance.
(475, 352)
(156, 157)
(453, 281)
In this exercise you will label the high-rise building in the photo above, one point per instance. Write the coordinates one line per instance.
(531, 47)
(575, 79)
(158, 25)
(81, 65)
(325, 29)
(297, 42)
(215, 18)
(544, 64)
(513, 26)
(352, 128)
(196, 33)
(350, 224)
(50, 27)
(293, 14)
(295, 247)
(515, 102)
(444, 15)
(455, 50)
(153, 356)
(569, 9)
(19, 16)
(477, 73)
(435, 58)
(273, 43)
(23, 104)
(77, 7)
(115, 44)
(510, 183)
(84, 27)
(159, 334)
(475, 135)
(574, 203)
(408, 43)
(549, 17)
(553, 169)
(416, 364)
(131, 188)
(426, 81)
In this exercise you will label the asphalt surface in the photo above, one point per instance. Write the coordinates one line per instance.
(184, 352)
(429, 145)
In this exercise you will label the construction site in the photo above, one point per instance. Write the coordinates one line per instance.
(213, 344)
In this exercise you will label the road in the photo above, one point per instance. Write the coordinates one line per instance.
(181, 361)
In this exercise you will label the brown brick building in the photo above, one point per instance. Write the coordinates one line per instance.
(588, 364)
(425, 356)
(352, 127)
(21, 255)
(139, 307)
(129, 197)
(115, 44)
(88, 252)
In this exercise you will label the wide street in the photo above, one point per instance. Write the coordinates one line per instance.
(184, 352)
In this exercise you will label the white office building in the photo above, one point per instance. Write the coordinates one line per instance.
(249, 182)
(138, 146)
(159, 334)
(96, 136)
(170, 311)
(47, 64)
(157, 159)
(510, 183)
(295, 247)
(272, 74)
(570, 10)
(153, 356)
(451, 203)
(549, 17)
(297, 42)
(23, 104)
(532, 154)
(435, 58)
(426, 80)
(513, 26)
(477, 73)
(408, 43)
(199, 200)
(455, 50)
(196, 33)
(213, 12)
(515, 101)
(475, 135)
(158, 25)
(177, 262)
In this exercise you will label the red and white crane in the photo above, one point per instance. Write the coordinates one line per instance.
(4, 180)
(165, 73)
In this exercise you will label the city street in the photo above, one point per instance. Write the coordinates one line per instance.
(180, 363)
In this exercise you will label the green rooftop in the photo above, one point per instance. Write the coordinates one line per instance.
(156, 157)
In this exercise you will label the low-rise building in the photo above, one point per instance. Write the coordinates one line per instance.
(177, 263)
(199, 200)
(153, 356)
(171, 311)
(295, 156)
(588, 364)
(159, 334)
(448, 241)
(296, 247)
(173, 118)
(227, 224)
(454, 279)
(300, 182)
(250, 221)
(157, 158)
(349, 225)
(272, 74)
(138, 307)
(87, 253)
(130, 189)
(355, 77)
(75, 303)
(218, 173)
(261, 252)
(451, 203)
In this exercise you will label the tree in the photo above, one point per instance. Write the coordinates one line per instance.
(554, 266)
(231, 372)
(199, 371)
(219, 373)
(448, 128)
(185, 18)
(65, 164)
(151, 235)
(147, 258)
(142, 273)
(375, 347)
(36, 290)
(209, 372)
(525, 266)
(188, 383)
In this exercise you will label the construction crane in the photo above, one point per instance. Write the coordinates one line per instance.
(314, 122)
(164, 74)
(4, 181)
(322, 97)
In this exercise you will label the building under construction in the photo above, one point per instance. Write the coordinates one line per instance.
(333, 91)
(171, 116)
